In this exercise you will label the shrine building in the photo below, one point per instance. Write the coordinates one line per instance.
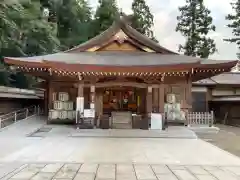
(120, 74)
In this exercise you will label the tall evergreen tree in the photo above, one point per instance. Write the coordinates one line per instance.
(23, 33)
(235, 24)
(73, 19)
(105, 15)
(142, 19)
(195, 23)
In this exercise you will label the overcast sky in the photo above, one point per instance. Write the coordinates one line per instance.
(165, 13)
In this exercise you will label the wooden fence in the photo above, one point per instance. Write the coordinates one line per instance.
(200, 118)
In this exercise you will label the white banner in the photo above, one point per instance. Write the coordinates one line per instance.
(156, 121)
(89, 113)
(80, 104)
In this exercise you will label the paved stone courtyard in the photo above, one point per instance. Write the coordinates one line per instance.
(79, 171)
(227, 138)
(55, 152)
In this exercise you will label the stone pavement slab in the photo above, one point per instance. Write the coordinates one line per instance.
(106, 171)
(233, 169)
(223, 175)
(144, 172)
(52, 168)
(167, 177)
(85, 176)
(198, 170)
(205, 177)
(88, 168)
(125, 169)
(43, 176)
(183, 174)
(161, 169)
(34, 171)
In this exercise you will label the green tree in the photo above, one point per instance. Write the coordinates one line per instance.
(73, 20)
(142, 18)
(195, 23)
(107, 12)
(235, 24)
(24, 32)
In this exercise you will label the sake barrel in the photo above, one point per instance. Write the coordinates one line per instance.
(63, 96)
(58, 105)
(54, 96)
(68, 105)
(65, 105)
(171, 98)
(63, 115)
(182, 116)
(71, 114)
(177, 107)
(167, 107)
(53, 114)
(171, 116)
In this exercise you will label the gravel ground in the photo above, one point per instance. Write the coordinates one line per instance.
(227, 138)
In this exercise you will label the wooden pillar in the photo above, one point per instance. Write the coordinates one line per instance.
(50, 96)
(208, 98)
(46, 99)
(92, 98)
(188, 93)
(145, 122)
(155, 96)
(80, 90)
(161, 98)
(149, 99)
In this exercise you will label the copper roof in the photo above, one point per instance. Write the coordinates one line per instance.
(121, 24)
(229, 78)
(120, 58)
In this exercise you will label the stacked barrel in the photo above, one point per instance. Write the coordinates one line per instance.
(62, 107)
(172, 109)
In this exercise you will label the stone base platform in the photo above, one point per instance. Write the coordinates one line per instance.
(171, 132)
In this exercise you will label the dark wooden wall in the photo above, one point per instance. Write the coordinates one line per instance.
(12, 104)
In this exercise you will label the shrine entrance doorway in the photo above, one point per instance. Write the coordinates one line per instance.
(121, 99)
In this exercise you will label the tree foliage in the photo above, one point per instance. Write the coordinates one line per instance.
(73, 19)
(142, 18)
(235, 24)
(24, 32)
(195, 23)
(106, 13)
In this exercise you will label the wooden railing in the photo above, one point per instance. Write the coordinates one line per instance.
(200, 118)
(13, 117)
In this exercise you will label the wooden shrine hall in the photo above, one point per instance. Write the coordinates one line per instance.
(122, 76)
